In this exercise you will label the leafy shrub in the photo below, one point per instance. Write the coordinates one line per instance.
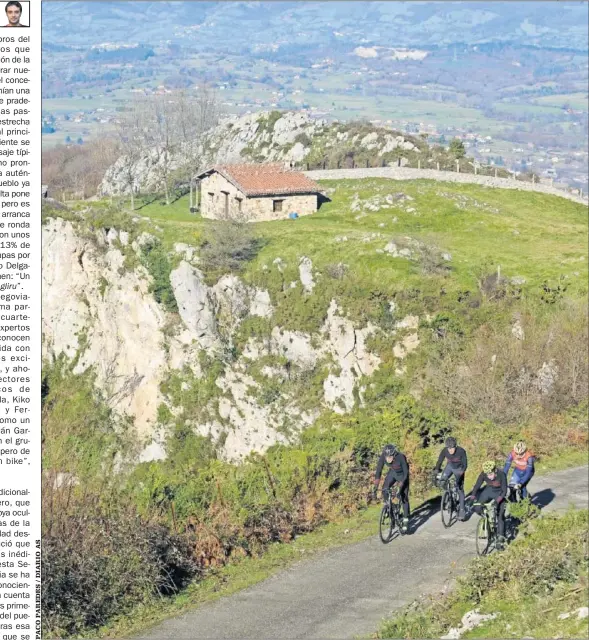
(494, 376)
(228, 246)
(97, 564)
(157, 262)
(304, 139)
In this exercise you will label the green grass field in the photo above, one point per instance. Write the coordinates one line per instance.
(531, 235)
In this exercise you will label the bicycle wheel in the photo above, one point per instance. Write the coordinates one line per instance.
(386, 524)
(483, 536)
(397, 520)
(447, 510)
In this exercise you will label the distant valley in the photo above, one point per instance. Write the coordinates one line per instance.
(518, 99)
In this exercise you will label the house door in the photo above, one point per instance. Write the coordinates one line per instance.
(226, 203)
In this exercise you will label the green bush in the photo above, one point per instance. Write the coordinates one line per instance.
(156, 261)
(530, 584)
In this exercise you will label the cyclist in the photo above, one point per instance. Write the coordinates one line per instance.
(457, 463)
(397, 474)
(523, 461)
(495, 489)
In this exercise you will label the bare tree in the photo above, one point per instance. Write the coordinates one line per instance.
(196, 116)
(171, 126)
(130, 132)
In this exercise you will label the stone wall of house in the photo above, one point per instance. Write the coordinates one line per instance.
(252, 209)
(214, 206)
(263, 208)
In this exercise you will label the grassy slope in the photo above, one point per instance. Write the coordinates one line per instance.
(552, 230)
(542, 575)
(540, 238)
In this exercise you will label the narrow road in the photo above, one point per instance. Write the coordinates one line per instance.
(346, 592)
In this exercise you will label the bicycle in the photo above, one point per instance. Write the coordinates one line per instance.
(515, 493)
(486, 535)
(450, 500)
(516, 500)
(390, 517)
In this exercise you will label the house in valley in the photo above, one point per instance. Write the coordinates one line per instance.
(256, 192)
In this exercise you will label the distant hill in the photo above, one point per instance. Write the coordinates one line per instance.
(555, 24)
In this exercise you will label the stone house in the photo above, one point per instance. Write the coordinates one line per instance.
(256, 192)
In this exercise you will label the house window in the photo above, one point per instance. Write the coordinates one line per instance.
(277, 205)
(239, 202)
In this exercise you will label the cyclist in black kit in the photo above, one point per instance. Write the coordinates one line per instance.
(398, 473)
(457, 463)
(495, 489)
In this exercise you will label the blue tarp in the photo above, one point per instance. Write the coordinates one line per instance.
(293, 216)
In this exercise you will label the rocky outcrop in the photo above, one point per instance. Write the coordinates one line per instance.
(289, 137)
(103, 318)
(306, 275)
(100, 313)
(194, 303)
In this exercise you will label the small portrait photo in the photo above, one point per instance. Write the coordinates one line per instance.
(15, 14)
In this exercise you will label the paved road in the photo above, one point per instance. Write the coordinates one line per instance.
(346, 592)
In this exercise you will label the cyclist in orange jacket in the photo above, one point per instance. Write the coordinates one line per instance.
(523, 461)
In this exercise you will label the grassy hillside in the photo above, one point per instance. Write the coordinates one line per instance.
(532, 235)
(180, 519)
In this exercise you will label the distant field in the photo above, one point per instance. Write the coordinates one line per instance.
(577, 101)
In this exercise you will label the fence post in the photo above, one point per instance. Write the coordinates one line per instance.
(367, 164)
(419, 164)
(353, 163)
(495, 171)
(398, 162)
(475, 170)
(551, 182)
(533, 178)
(438, 166)
(457, 166)
(324, 164)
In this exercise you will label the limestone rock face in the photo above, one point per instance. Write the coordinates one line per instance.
(306, 274)
(108, 320)
(100, 314)
(347, 346)
(194, 303)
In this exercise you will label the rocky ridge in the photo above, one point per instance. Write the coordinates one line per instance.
(291, 137)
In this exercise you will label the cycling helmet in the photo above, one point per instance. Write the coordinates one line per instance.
(520, 448)
(489, 466)
(451, 442)
(390, 450)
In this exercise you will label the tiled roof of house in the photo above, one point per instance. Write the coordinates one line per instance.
(265, 179)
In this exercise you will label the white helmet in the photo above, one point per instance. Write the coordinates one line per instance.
(520, 448)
